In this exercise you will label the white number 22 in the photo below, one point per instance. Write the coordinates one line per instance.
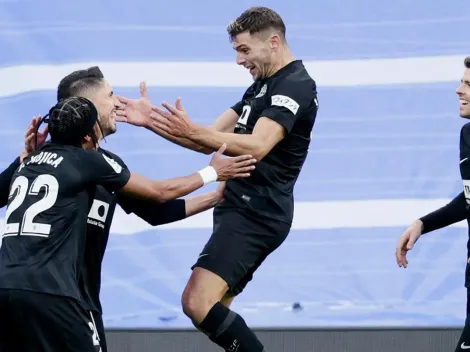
(27, 226)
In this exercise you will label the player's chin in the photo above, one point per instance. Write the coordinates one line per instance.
(464, 113)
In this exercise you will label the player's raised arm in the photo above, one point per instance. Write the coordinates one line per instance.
(115, 178)
(33, 139)
(138, 112)
(277, 119)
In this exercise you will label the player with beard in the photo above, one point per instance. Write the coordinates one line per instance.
(91, 84)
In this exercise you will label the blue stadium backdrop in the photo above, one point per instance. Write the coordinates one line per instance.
(384, 149)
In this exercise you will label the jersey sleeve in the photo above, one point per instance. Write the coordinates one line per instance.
(100, 169)
(288, 100)
(154, 213)
(5, 180)
(238, 108)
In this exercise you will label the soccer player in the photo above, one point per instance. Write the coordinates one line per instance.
(43, 247)
(90, 83)
(273, 122)
(456, 211)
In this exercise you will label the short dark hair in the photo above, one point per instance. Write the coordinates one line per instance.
(71, 119)
(76, 83)
(466, 62)
(256, 20)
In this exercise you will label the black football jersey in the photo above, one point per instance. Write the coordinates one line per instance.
(289, 97)
(51, 195)
(99, 222)
(465, 170)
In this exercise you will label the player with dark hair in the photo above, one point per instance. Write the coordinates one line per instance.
(273, 122)
(43, 248)
(91, 84)
(455, 211)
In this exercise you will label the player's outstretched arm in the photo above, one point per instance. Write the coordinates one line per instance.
(138, 112)
(173, 210)
(451, 213)
(266, 133)
(219, 169)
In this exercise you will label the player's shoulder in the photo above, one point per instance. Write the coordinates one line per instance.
(113, 156)
(294, 78)
(465, 137)
(294, 73)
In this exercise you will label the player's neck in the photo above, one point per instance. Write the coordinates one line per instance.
(285, 59)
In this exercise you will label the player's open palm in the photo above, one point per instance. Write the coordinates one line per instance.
(136, 111)
(406, 242)
(232, 167)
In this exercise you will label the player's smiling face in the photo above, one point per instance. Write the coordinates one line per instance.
(463, 91)
(106, 103)
(254, 52)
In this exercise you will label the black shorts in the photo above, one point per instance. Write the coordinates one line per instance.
(32, 321)
(240, 242)
(98, 320)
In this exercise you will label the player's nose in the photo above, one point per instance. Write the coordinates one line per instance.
(240, 59)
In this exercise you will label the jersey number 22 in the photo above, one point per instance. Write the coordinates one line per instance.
(27, 226)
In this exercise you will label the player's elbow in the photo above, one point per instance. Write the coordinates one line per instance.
(160, 193)
(259, 150)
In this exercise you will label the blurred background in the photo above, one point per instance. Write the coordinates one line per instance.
(384, 149)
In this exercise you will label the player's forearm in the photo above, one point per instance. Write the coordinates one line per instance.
(177, 187)
(183, 142)
(5, 180)
(198, 204)
(451, 213)
(237, 144)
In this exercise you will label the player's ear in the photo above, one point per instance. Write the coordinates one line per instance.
(87, 143)
(275, 41)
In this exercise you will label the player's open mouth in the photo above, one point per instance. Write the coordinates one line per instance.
(463, 102)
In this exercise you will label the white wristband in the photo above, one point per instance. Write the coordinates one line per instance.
(208, 175)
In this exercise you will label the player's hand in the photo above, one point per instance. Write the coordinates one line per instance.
(220, 192)
(406, 242)
(174, 121)
(30, 137)
(232, 167)
(135, 111)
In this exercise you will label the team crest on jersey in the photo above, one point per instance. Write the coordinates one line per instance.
(262, 91)
(116, 167)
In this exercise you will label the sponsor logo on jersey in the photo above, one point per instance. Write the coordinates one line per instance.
(113, 164)
(285, 102)
(98, 213)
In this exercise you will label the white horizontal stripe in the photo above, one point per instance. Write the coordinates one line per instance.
(313, 215)
(334, 73)
(309, 215)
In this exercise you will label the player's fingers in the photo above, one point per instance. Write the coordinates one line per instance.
(121, 112)
(161, 112)
(243, 175)
(143, 90)
(160, 119)
(170, 107)
(222, 149)
(411, 242)
(29, 138)
(241, 158)
(249, 162)
(121, 118)
(245, 169)
(123, 100)
(178, 104)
